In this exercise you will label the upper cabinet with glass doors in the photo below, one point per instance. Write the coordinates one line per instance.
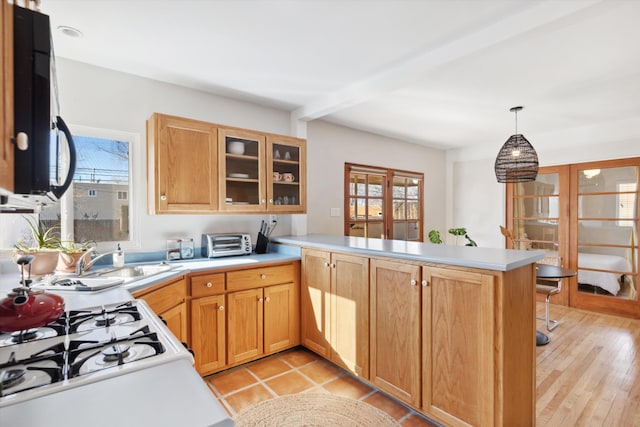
(241, 171)
(286, 174)
(261, 172)
(200, 167)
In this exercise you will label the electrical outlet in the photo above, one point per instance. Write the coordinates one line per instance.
(273, 219)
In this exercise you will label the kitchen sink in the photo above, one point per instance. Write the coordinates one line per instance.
(135, 272)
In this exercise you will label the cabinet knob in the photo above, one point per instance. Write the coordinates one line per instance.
(263, 276)
(333, 265)
(326, 264)
(260, 299)
(414, 282)
(22, 141)
(425, 283)
(271, 201)
(267, 299)
(221, 308)
(209, 285)
(263, 201)
(163, 197)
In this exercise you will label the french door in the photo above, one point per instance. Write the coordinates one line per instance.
(587, 215)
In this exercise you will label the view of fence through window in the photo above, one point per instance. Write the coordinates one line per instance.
(99, 192)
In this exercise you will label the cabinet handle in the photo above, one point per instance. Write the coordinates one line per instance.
(267, 299)
(414, 282)
(263, 276)
(163, 197)
(22, 141)
(221, 308)
(425, 283)
(209, 285)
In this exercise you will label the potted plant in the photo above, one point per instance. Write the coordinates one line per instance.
(434, 236)
(70, 253)
(44, 247)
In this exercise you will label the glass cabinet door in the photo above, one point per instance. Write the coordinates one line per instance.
(241, 165)
(286, 174)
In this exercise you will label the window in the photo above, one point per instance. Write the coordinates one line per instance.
(383, 203)
(96, 208)
(626, 203)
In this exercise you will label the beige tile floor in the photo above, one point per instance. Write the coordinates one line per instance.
(299, 371)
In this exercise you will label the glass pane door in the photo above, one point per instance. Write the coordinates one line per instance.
(539, 217)
(285, 175)
(406, 208)
(241, 159)
(366, 205)
(606, 226)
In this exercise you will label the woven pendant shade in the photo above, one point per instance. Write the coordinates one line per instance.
(517, 160)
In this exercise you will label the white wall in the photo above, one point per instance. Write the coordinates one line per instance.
(330, 146)
(477, 201)
(94, 97)
(100, 98)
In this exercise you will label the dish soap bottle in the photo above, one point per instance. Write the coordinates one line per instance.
(118, 258)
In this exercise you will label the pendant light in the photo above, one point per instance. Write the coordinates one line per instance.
(517, 160)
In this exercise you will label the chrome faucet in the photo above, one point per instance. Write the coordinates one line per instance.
(82, 265)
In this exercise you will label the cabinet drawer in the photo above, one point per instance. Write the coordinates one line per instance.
(258, 277)
(166, 297)
(210, 284)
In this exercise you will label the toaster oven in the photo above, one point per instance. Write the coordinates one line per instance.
(218, 245)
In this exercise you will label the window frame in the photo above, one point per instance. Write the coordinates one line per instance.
(388, 175)
(136, 175)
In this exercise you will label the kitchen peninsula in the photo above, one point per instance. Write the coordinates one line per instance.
(448, 330)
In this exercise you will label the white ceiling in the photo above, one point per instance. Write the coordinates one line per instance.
(442, 73)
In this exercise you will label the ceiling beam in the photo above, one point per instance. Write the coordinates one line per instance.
(397, 75)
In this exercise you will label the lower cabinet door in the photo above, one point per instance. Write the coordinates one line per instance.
(315, 292)
(176, 319)
(458, 346)
(245, 331)
(208, 333)
(350, 313)
(395, 329)
(281, 317)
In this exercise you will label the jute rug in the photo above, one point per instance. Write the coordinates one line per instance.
(313, 409)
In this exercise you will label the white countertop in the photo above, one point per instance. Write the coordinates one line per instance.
(167, 395)
(463, 256)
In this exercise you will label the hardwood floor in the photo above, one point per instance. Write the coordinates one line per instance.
(589, 373)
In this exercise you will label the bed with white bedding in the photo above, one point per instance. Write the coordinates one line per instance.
(605, 280)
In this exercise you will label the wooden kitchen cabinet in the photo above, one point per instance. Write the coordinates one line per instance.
(458, 346)
(335, 308)
(262, 320)
(196, 167)
(261, 172)
(6, 95)
(182, 165)
(208, 322)
(168, 300)
(395, 329)
(286, 174)
(241, 171)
